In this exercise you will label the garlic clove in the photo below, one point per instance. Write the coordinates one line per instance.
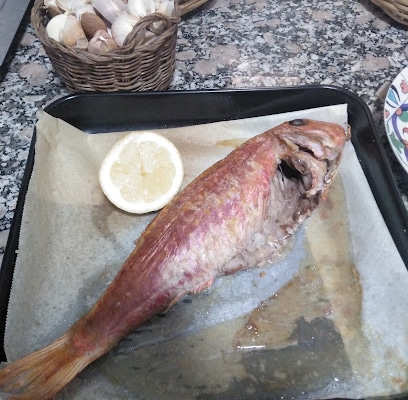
(122, 26)
(166, 8)
(91, 23)
(52, 8)
(101, 43)
(86, 8)
(140, 8)
(71, 5)
(109, 9)
(158, 27)
(81, 43)
(55, 27)
(73, 34)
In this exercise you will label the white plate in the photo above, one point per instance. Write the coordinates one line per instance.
(396, 117)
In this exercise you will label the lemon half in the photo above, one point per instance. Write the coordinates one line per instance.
(142, 172)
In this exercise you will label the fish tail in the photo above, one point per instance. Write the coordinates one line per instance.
(42, 374)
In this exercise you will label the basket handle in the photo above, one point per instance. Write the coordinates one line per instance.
(148, 30)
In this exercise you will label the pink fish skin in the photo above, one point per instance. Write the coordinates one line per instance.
(238, 214)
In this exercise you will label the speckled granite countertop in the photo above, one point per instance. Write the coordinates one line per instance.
(227, 44)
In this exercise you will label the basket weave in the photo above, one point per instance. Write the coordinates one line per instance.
(187, 6)
(132, 67)
(396, 9)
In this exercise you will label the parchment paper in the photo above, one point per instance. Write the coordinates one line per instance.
(338, 319)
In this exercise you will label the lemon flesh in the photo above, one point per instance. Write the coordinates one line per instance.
(142, 172)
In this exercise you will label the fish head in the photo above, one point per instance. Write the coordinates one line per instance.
(325, 140)
(314, 150)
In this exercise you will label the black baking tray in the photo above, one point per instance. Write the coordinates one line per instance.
(95, 113)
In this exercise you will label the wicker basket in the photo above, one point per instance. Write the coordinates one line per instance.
(396, 9)
(133, 67)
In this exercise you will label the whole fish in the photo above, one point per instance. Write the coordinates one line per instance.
(239, 213)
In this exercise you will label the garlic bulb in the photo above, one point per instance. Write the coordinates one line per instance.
(86, 8)
(65, 28)
(109, 9)
(122, 26)
(73, 34)
(92, 23)
(101, 43)
(140, 8)
(71, 5)
(55, 27)
(52, 8)
(166, 7)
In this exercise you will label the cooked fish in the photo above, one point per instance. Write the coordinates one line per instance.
(239, 213)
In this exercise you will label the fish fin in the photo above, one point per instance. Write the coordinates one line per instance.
(42, 374)
(203, 286)
(196, 290)
(173, 302)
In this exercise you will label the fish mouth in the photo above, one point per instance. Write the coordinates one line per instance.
(312, 154)
(313, 176)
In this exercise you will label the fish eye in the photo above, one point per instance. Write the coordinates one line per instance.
(297, 122)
